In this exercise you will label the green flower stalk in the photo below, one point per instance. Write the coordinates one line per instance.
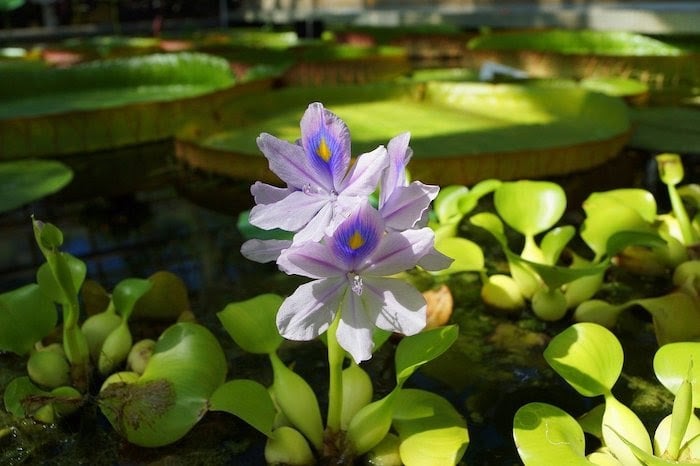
(336, 356)
(671, 173)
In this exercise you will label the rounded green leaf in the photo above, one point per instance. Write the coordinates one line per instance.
(23, 181)
(48, 284)
(431, 431)
(415, 350)
(467, 255)
(166, 299)
(162, 405)
(624, 433)
(588, 356)
(446, 204)
(248, 400)
(672, 363)
(252, 323)
(127, 292)
(26, 316)
(547, 435)
(17, 394)
(530, 207)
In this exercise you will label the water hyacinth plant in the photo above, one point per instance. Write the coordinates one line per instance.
(352, 251)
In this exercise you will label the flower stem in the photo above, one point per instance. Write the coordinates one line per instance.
(336, 355)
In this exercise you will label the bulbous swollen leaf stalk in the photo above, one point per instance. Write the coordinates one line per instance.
(115, 349)
(288, 446)
(682, 411)
(357, 393)
(297, 400)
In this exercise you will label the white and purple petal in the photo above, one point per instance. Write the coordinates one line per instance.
(291, 213)
(395, 174)
(355, 328)
(365, 173)
(326, 141)
(288, 161)
(309, 311)
(407, 205)
(434, 260)
(264, 193)
(263, 251)
(310, 259)
(397, 305)
(398, 252)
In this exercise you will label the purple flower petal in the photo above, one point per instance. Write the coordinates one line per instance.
(264, 250)
(290, 164)
(310, 259)
(398, 252)
(407, 205)
(395, 175)
(434, 260)
(354, 331)
(363, 176)
(264, 193)
(308, 312)
(403, 308)
(326, 141)
(291, 213)
(356, 237)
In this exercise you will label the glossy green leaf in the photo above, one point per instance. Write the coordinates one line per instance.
(676, 316)
(248, 400)
(26, 316)
(24, 181)
(672, 362)
(588, 356)
(372, 423)
(554, 242)
(47, 281)
(530, 207)
(127, 292)
(467, 255)
(415, 350)
(431, 431)
(9, 5)
(545, 434)
(491, 223)
(446, 204)
(690, 444)
(16, 394)
(252, 323)
(163, 404)
(165, 301)
(624, 432)
(620, 240)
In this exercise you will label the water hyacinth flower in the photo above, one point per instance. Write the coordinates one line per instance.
(350, 269)
(323, 187)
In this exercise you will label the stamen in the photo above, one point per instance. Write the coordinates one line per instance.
(356, 285)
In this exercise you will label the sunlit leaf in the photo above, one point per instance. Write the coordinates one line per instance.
(588, 356)
(431, 431)
(252, 323)
(415, 350)
(248, 400)
(672, 363)
(530, 207)
(544, 434)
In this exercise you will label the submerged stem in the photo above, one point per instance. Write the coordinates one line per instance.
(336, 355)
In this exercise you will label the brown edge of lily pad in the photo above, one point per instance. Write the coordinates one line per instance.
(467, 170)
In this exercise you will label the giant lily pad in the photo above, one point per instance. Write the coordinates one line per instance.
(667, 129)
(461, 132)
(670, 71)
(105, 104)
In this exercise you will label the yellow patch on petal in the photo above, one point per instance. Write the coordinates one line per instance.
(323, 150)
(356, 241)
